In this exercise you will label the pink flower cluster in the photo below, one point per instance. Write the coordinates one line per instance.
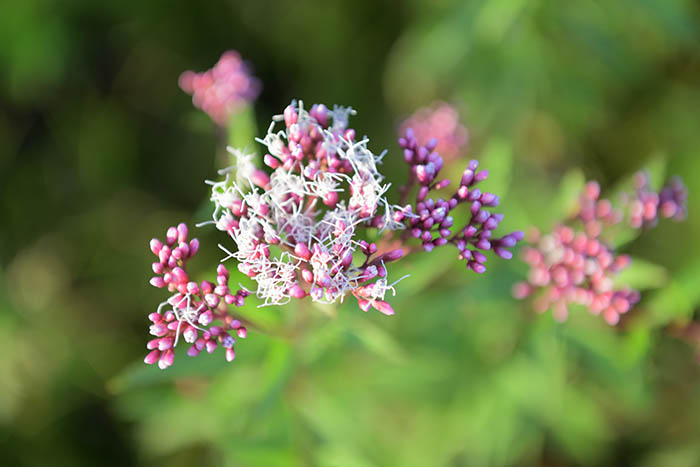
(193, 308)
(297, 236)
(299, 228)
(578, 267)
(439, 121)
(222, 90)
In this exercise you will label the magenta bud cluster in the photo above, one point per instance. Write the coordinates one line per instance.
(568, 267)
(222, 90)
(195, 312)
(313, 143)
(432, 221)
(575, 264)
(439, 121)
(299, 227)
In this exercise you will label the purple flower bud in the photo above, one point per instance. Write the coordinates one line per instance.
(491, 223)
(447, 223)
(393, 255)
(422, 193)
(489, 199)
(442, 184)
(467, 178)
(483, 244)
(469, 231)
(408, 156)
(479, 256)
(481, 216)
(475, 207)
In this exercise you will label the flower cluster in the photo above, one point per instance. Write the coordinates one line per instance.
(299, 227)
(432, 222)
(193, 309)
(440, 121)
(647, 205)
(579, 267)
(223, 89)
(297, 230)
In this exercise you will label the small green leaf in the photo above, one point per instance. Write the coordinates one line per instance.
(641, 274)
(570, 188)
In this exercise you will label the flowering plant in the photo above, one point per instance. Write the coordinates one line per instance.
(301, 230)
(577, 263)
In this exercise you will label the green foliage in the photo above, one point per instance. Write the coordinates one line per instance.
(100, 151)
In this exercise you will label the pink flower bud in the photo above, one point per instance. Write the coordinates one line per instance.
(157, 281)
(152, 357)
(171, 235)
(156, 246)
(383, 307)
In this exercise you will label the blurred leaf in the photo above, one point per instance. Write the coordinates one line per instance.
(570, 189)
(140, 374)
(641, 274)
(242, 131)
(680, 297)
(379, 341)
(497, 158)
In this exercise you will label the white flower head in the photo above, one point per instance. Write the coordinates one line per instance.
(326, 186)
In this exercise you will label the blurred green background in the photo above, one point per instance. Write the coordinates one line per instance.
(100, 151)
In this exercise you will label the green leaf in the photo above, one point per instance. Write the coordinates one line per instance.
(680, 297)
(497, 158)
(242, 129)
(641, 274)
(570, 189)
(140, 374)
(379, 341)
